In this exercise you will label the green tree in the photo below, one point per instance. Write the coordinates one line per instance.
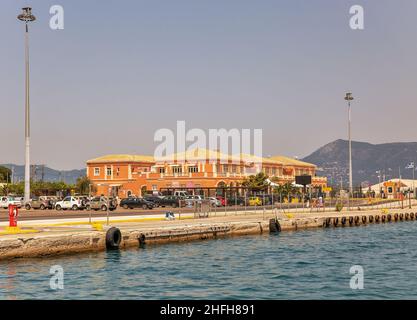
(287, 190)
(82, 186)
(15, 188)
(5, 174)
(256, 182)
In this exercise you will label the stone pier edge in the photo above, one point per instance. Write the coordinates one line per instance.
(51, 244)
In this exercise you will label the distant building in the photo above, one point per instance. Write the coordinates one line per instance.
(197, 169)
(392, 189)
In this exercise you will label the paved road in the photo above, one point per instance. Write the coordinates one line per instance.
(25, 215)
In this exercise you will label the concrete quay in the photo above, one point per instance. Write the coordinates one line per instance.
(37, 239)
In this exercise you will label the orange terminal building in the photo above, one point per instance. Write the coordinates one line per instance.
(197, 170)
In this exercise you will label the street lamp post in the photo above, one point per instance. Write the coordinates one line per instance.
(349, 98)
(27, 16)
(379, 183)
(414, 188)
(412, 166)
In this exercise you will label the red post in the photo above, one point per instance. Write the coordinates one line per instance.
(13, 213)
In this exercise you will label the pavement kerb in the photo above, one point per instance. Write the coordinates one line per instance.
(75, 223)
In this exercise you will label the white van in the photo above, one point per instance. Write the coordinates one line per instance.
(180, 193)
(6, 201)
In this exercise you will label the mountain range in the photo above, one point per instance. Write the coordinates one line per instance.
(391, 159)
(40, 172)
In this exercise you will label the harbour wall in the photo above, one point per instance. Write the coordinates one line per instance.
(50, 242)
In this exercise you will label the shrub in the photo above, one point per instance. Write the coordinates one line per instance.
(339, 206)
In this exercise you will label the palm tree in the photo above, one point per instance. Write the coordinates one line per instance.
(83, 185)
(287, 190)
(256, 182)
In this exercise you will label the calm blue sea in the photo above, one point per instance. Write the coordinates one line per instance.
(312, 264)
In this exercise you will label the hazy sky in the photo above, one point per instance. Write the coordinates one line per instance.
(120, 70)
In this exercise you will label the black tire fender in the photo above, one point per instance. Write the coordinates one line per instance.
(274, 226)
(113, 238)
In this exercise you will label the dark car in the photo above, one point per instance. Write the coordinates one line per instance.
(238, 201)
(170, 201)
(156, 200)
(130, 203)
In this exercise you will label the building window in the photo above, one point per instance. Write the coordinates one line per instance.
(225, 168)
(176, 169)
(192, 169)
(117, 172)
(109, 172)
(96, 172)
(161, 170)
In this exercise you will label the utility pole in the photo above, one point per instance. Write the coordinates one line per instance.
(27, 16)
(379, 183)
(414, 189)
(349, 98)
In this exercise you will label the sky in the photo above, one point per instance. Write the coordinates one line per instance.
(121, 70)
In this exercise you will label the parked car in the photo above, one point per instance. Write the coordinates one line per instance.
(6, 201)
(153, 198)
(181, 193)
(42, 203)
(130, 203)
(267, 199)
(84, 201)
(191, 200)
(214, 202)
(70, 202)
(239, 201)
(222, 200)
(255, 201)
(102, 203)
(171, 201)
